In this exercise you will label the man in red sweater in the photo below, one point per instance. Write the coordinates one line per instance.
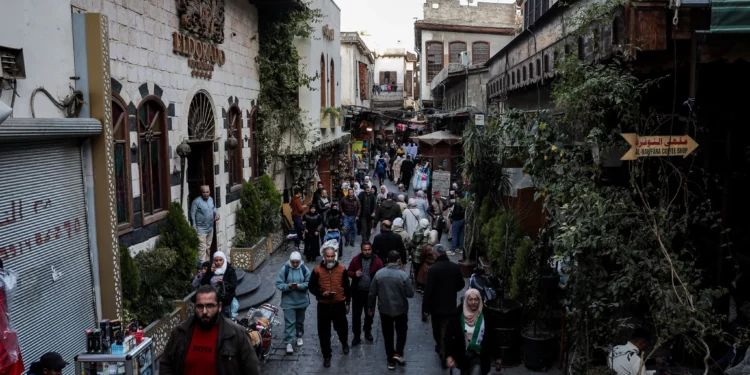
(362, 270)
(209, 343)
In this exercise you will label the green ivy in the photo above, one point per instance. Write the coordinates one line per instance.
(281, 77)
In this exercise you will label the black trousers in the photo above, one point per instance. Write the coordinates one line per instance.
(365, 227)
(400, 323)
(439, 326)
(359, 305)
(336, 314)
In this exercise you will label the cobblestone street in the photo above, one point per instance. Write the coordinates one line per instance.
(367, 358)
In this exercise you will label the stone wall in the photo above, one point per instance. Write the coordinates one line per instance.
(143, 64)
(451, 12)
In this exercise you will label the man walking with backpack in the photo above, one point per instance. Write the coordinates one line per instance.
(293, 282)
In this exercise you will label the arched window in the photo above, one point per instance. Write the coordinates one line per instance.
(323, 81)
(123, 183)
(524, 74)
(455, 49)
(513, 77)
(546, 63)
(333, 85)
(235, 158)
(255, 157)
(480, 52)
(531, 70)
(434, 60)
(538, 67)
(153, 161)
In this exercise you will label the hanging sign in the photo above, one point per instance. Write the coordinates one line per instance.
(658, 145)
(479, 120)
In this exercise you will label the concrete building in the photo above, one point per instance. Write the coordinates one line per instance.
(357, 69)
(449, 28)
(394, 67)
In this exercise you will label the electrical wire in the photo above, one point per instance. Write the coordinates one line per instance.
(71, 105)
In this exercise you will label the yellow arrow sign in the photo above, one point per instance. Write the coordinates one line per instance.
(658, 145)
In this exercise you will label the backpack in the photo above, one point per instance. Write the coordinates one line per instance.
(286, 272)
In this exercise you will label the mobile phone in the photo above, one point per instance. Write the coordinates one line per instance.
(331, 292)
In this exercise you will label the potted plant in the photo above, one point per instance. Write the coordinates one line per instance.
(250, 249)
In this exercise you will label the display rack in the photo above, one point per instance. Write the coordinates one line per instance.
(138, 361)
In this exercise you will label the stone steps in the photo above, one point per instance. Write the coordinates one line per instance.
(249, 284)
(263, 293)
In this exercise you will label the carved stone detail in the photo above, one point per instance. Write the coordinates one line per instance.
(204, 18)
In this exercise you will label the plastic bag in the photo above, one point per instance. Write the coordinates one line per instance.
(9, 350)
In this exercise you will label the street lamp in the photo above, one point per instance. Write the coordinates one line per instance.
(183, 150)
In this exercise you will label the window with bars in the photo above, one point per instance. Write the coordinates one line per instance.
(123, 183)
(455, 49)
(532, 10)
(434, 59)
(323, 81)
(332, 77)
(480, 52)
(235, 160)
(152, 158)
(363, 86)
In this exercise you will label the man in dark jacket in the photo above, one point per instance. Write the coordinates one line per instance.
(208, 343)
(350, 208)
(444, 281)
(388, 210)
(329, 283)
(407, 171)
(362, 270)
(387, 241)
(367, 206)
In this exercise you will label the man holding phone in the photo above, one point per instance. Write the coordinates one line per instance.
(329, 283)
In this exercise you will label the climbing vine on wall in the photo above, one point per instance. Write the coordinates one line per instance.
(282, 126)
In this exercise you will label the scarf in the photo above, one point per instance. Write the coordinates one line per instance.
(471, 316)
(382, 195)
(220, 271)
(475, 344)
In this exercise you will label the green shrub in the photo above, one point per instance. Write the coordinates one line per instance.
(131, 278)
(521, 267)
(248, 216)
(270, 205)
(177, 234)
(158, 287)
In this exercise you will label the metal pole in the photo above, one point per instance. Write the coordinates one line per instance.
(182, 181)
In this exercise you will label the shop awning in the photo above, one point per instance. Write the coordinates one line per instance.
(437, 137)
(730, 16)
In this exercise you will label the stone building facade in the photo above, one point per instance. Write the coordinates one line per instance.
(357, 67)
(174, 81)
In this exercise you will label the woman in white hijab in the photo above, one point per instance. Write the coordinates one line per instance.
(223, 277)
(383, 194)
(367, 183)
(401, 204)
(411, 216)
(397, 168)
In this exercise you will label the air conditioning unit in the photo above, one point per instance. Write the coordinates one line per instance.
(465, 58)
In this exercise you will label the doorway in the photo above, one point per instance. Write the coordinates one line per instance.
(200, 171)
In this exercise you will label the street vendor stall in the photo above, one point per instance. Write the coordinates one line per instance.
(443, 149)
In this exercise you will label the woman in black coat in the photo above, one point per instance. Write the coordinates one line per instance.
(469, 338)
(221, 276)
(313, 223)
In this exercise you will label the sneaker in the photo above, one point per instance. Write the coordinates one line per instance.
(391, 365)
(368, 336)
(327, 362)
(289, 349)
(450, 253)
(356, 341)
(299, 341)
(399, 358)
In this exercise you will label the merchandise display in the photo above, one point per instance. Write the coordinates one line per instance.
(114, 348)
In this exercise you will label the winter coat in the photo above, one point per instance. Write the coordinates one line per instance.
(389, 210)
(350, 207)
(391, 288)
(235, 354)
(229, 279)
(385, 242)
(334, 220)
(297, 207)
(423, 207)
(323, 205)
(426, 259)
(407, 170)
(367, 204)
(444, 281)
(456, 344)
(411, 216)
(293, 298)
(402, 232)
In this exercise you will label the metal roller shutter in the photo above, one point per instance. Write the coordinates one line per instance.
(43, 237)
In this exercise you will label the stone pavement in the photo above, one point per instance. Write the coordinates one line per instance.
(369, 357)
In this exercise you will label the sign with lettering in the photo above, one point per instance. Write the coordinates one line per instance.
(658, 145)
(441, 181)
(479, 120)
(202, 56)
(329, 33)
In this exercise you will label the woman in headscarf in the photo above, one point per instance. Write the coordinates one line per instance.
(411, 217)
(292, 281)
(469, 338)
(422, 204)
(401, 204)
(313, 222)
(223, 277)
(419, 238)
(397, 168)
(357, 190)
(398, 228)
(383, 195)
(367, 183)
(426, 259)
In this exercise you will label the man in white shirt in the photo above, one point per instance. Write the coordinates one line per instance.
(626, 359)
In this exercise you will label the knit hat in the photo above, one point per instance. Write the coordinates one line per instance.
(295, 256)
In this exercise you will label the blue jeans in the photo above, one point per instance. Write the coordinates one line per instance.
(294, 320)
(457, 231)
(298, 228)
(350, 224)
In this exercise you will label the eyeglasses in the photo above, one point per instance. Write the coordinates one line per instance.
(210, 306)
